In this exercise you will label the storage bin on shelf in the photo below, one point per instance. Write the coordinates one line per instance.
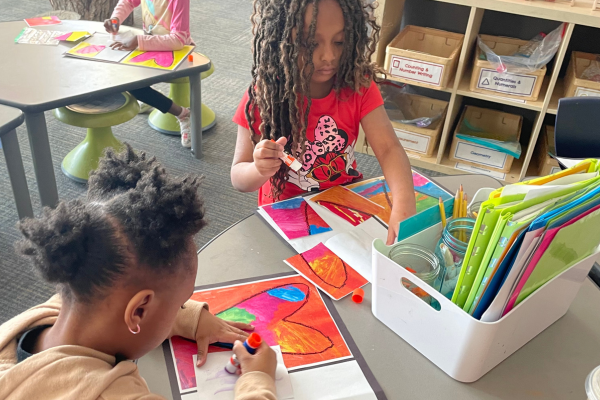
(424, 56)
(485, 79)
(458, 344)
(414, 139)
(546, 164)
(503, 125)
(575, 85)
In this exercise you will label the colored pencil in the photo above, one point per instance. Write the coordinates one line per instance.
(442, 213)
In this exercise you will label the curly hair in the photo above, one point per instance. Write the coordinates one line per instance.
(134, 214)
(280, 89)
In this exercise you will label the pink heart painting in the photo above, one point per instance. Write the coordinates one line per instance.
(93, 48)
(161, 58)
(65, 36)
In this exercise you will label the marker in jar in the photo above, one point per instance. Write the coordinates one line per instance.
(251, 344)
(290, 161)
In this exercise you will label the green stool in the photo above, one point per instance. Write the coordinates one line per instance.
(180, 94)
(98, 116)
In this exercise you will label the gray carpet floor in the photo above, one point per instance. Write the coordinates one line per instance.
(221, 30)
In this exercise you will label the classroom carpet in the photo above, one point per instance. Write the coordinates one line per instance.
(221, 30)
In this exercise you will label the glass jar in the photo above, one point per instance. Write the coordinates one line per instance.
(419, 261)
(474, 209)
(450, 252)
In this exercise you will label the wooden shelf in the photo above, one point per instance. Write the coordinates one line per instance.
(448, 88)
(581, 13)
(559, 92)
(464, 90)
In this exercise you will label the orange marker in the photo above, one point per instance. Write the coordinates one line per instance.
(358, 295)
(290, 161)
(191, 58)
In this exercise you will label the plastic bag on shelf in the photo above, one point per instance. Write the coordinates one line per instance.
(401, 111)
(530, 57)
(592, 72)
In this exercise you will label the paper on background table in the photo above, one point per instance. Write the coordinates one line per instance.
(96, 48)
(323, 268)
(167, 60)
(38, 36)
(216, 383)
(43, 21)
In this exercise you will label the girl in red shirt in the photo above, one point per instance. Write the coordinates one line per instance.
(312, 87)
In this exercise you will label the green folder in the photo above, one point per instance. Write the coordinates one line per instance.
(570, 245)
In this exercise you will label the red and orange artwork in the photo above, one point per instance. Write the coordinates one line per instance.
(349, 205)
(288, 312)
(325, 269)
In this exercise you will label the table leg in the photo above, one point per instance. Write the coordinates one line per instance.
(42, 158)
(196, 108)
(16, 174)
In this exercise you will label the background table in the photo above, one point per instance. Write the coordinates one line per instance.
(37, 78)
(552, 366)
(10, 119)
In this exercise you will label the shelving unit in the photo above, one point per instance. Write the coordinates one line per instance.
(389, 15)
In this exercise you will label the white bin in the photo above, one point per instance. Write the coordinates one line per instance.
(463, 347)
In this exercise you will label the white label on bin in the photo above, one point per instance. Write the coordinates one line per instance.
(413, 141)
(585, 92)
(554, 170)
(416, 70)
(515, 84)
(480, 155)
(477, 170)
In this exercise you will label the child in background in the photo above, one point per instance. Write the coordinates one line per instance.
(125, 264)
(166, 25)
(312, 86)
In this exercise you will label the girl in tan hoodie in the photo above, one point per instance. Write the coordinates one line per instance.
(125, 264)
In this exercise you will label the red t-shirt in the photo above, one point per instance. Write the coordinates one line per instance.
(333, 124)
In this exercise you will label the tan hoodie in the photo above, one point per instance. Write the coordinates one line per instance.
(76, 372)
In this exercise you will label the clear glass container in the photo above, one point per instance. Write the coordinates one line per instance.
(450, 252)
(419, 261)
(474, 209)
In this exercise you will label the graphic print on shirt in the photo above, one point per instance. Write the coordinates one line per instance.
(326, 159)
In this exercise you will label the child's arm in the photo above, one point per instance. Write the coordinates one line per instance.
(395, 166)
(179, 34)
(123, 9)
(253, 166)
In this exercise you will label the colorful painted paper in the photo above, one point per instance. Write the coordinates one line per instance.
(296, 218)
(325, 269)
(168, 60)
(73, 36)
(288, 312)
(346, 202)
(92, 49)
(425, 186)
(42, 21)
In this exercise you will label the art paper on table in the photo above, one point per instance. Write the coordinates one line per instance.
(296, 218)
(168, 60)
(325, 269)
(348, 205)
(40, 36)
(42, 21)
(288, 312)
(427, 187)
(378, 191)
(73, 36)
(97, 52)
(216, 383)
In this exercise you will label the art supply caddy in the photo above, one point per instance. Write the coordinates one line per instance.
(462, 346)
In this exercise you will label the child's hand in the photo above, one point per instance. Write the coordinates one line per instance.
(127, 44)
(213, 329)
(267, 156)
(264, 360)
(398, 214)
(108, 25)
